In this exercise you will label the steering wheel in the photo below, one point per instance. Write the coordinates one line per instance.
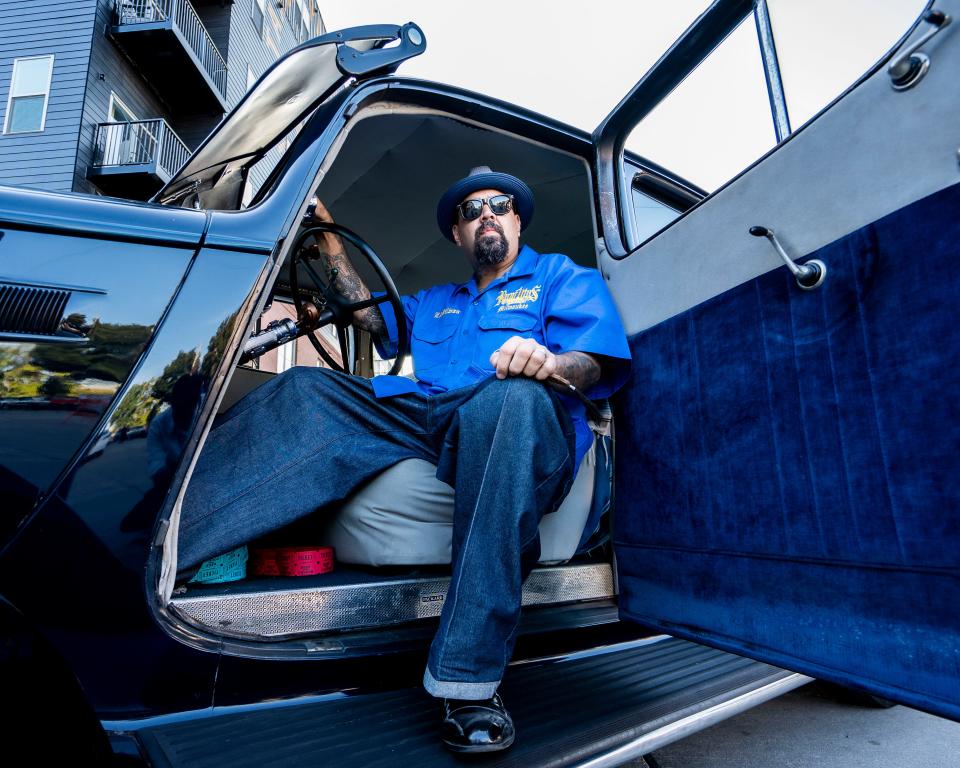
(337, 309)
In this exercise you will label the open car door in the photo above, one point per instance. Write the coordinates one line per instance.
(786, 461)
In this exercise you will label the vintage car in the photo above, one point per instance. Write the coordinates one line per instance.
(784, 478)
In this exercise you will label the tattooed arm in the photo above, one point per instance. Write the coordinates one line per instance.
(525, 357)
(579, 368)
(343, 278)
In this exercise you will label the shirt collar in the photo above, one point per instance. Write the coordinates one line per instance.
(523, 266)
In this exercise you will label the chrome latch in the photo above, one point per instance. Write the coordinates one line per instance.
(809, 275)
(910, 67)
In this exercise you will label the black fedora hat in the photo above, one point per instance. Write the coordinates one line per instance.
(482, 177)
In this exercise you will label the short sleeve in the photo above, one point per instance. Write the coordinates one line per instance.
(580, 316)
(410, 304)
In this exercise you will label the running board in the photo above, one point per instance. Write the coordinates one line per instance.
(274, 609)
(589, 710)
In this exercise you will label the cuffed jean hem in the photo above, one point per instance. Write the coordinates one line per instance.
(454, 689)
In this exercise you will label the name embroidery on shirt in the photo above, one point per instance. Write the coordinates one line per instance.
(447, 311)
(518, 299)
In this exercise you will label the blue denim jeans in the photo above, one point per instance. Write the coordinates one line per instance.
(309, 437)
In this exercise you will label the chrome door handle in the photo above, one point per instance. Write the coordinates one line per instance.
(910, 66)
(809, 275)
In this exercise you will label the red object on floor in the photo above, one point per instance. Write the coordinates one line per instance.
(291, 561)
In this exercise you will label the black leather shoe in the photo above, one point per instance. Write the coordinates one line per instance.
(477, 726)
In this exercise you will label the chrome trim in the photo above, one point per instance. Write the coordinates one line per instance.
(771, 71)
(648, 742)
(909, 67)
(278, 613)
(815, 278)
(809, 275)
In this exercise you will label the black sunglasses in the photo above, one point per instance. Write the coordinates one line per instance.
(499, 204)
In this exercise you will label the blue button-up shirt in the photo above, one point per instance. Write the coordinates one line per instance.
(455, 328)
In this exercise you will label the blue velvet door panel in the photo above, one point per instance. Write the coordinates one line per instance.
(787, 480)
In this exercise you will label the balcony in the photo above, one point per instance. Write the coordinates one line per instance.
(167, 41)
(134, 160)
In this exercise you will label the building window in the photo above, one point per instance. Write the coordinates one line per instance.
(119, 112)
(317, 25)
(257, 13)
(251, 78)
(298, 13)
(29, 94)
(129, 141)
(286, 356)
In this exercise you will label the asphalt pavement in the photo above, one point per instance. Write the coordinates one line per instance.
(814, 727)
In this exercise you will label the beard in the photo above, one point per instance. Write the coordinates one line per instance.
(489, 251)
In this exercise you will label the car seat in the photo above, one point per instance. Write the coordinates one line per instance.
(404, 516)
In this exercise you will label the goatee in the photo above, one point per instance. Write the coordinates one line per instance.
(489, 251)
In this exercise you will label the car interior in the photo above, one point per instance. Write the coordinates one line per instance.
(392, 537)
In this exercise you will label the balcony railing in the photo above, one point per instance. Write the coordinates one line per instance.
(144, 142)
(186, 23)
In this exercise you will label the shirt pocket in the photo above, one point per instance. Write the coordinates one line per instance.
(496, 327)
(521, 322)
(431, 346)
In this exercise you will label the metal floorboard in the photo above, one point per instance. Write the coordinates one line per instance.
(566, 712)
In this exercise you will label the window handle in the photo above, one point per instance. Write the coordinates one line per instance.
(910, 67)
(809, 275)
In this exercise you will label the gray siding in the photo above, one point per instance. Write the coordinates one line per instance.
(46, 159)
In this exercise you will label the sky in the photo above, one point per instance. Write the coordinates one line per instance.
(574, 61)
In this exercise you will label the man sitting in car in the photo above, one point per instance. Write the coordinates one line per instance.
(479, 410)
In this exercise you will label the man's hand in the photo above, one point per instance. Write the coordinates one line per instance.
(523, 357)
(342, 277)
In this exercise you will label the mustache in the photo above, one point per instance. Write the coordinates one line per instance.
(488, 226)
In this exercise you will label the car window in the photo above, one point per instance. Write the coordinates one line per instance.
(649, 215)
(721, 118)
(717, 121)
(823, 46)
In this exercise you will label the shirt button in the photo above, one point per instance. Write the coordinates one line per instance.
(453, 362)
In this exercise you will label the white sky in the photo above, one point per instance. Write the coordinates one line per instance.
(574, 61)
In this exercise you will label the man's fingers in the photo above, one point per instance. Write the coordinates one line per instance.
(502, 358)
(536, 361)
(549, 367)
(320, 212)
(521, 356)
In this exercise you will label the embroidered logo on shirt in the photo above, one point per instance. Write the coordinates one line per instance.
(447, 311)
(518, 299)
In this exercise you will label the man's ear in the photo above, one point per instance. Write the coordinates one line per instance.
(456, 233)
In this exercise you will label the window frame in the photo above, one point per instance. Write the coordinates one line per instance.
(693, 47)
(117, 101)
(316, 20)
(45, 93)
(258, 5)
(287, 356)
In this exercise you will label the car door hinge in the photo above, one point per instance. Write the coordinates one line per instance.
(378, 59)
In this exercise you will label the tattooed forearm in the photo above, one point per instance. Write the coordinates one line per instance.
(345, 281)
(579, 368)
